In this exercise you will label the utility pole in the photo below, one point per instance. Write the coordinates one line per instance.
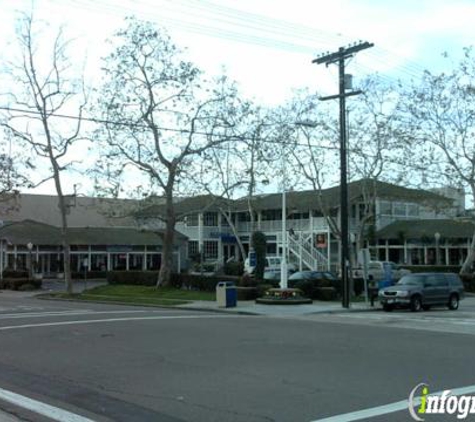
(339, 57)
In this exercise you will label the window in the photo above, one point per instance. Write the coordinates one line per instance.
(385, 208)
(271, 215)
(413, 210)
(210, 249)
(399, 208)
(193, 248)
(243, 217)
(191, 220)
(210, 219)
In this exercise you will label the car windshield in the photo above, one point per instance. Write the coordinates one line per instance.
(411, 280)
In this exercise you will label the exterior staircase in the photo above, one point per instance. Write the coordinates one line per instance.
(301, 246)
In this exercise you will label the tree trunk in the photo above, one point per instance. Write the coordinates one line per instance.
(467, 265)
(235, 232)
(166, 268)
(64, 227)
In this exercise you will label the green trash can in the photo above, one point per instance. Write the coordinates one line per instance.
(226, 294)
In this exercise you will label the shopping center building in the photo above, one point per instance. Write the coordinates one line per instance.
(411, 226)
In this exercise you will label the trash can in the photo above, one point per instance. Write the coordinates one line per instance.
(226, 294)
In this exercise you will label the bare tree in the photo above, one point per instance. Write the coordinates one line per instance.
(161, 118)
(45, 86)
(439, 123)
(375, 150)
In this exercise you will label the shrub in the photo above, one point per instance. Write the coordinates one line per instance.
(247, 281)
(15, 274)
(199, 282)
(307, 287)
(259, 243)
(325, 293)
(358, 286)
(247, 293)
(468, 282)
(433, 268)
(141, 278)
(90, 274)
(234, 268)
(18, 283)
(262, 288)
(26, 287)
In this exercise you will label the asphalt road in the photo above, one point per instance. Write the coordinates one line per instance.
(112, 363)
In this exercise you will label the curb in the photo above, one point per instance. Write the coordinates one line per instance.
(147, 305)
(202, 309)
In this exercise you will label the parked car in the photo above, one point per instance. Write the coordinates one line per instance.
(322, 285)
(312, 275)
(423, 290)
(273, 277)
(377, 271)
(273, 263)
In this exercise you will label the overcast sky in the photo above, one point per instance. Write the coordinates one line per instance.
(267, 45)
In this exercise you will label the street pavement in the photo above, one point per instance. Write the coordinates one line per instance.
(282, 363)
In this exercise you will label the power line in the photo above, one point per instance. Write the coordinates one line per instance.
(237, 18)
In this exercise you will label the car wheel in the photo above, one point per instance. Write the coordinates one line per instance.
(426, 307)
(416, 304)
(453, 302)
(387, 308)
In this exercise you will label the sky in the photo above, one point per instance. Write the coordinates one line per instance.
(267, 46)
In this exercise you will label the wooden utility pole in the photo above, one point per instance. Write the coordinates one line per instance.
(339, 57)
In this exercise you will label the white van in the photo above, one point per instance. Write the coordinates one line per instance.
(273, 263)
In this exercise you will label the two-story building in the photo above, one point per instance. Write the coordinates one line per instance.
(404, 225)
(397, 223)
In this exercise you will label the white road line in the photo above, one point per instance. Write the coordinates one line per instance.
(390, 408)
(98, 321)
(40, 408)
(67, 313)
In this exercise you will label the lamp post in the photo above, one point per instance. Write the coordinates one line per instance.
(29, 245)
(283, 269)
(437, 252)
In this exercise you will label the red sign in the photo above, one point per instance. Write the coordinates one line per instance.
(321, 240)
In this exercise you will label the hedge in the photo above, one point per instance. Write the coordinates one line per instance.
(16, 274)
(140, 278)
(13, 283)
(200, 282)
(91, 274)
(433, 268)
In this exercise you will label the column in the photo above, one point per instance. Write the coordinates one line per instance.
(89, 258)
(220, 241)
(15, 256)
(200, 235)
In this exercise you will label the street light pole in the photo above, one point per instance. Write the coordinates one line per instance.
(437, 252)
(29, 245)
(283, 269)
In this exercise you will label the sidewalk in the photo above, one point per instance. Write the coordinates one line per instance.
(250, 307)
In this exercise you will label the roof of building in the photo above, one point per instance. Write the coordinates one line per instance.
(82, 211)
(188, 205)
(24, 232)
(301, 200)
(417, 229)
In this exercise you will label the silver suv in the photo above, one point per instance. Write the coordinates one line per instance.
(423, 290)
